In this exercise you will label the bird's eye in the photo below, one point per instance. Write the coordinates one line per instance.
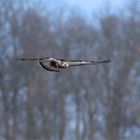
(65, 65)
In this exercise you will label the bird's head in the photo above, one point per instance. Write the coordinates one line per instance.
(65, 64)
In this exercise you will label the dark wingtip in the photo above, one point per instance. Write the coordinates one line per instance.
(20, 59)
(17, 59)
(28, 59)
(108, 60)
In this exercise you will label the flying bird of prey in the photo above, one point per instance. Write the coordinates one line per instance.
(52, 64)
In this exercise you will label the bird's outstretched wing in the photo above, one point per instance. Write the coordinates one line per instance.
(46, 59)
(52, 64)
(44, 62)
(81, 62)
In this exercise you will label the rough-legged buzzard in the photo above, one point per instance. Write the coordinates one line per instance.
(52, 64)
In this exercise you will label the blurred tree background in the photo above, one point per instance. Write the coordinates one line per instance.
(88, 103)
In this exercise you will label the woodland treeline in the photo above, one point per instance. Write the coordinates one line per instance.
(81, 103)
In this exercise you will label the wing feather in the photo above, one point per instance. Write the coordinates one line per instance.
(46, 59)
(80, 62)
